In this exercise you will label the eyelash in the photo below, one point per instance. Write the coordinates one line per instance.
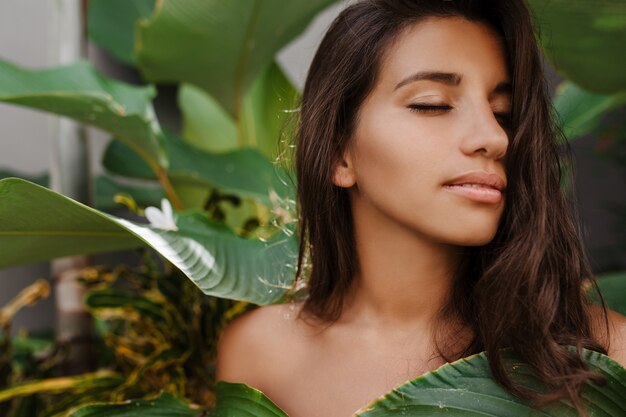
(505, 118)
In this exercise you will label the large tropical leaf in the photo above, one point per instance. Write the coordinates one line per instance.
(221, 263)
(267, 113)
(581, 111)
(220, 46)
(245, 172)
(463, 388)
(111, 25)
(585, 41)
(466, 388)
(267, 109)
(38, 224)
(613, 289)
(42, 179)
(107, 188)
(206, 125)
(243, 401)
(79, 92)
(165, 405)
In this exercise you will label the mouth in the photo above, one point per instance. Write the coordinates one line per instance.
(478, 186)
(479, 179)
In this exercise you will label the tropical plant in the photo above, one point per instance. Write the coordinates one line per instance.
(230, 244)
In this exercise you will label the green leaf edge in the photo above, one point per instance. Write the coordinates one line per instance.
(597, 361)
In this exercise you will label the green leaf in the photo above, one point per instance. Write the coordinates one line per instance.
(38, 224)
(244, 172)
(111, 25)
(165, 405)
(79, 92)
(100, 379)
(581, 111)
(466, 388)
(267, 111)
(463, 388)
(243, 401)
(585, 41)
(613, 289)
(111, 299)
(41, 179)
(205, 123)
(107, 188)
(223, 264)
(220, 46)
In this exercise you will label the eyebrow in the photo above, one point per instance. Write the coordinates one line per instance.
(449, 78)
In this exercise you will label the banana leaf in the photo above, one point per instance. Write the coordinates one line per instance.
(219, 46)
(111, 25)
(244, 172)
(460, 389)
(107, 188)
(267, 111)
(77, 91)
(580, 112)
(38, 224)
(165, 405)
(585, 41)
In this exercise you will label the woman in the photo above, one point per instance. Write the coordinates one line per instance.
(431, 216)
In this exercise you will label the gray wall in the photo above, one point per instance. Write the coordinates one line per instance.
(25, 144)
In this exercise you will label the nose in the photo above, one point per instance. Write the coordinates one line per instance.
(485, 135)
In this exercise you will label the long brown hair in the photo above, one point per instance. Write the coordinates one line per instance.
(523, 290)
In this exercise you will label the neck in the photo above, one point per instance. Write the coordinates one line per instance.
(403, 279)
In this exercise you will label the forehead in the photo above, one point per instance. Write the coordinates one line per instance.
(450, 44)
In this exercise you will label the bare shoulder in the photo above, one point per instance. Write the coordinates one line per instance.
(616, 339)
(251, 345)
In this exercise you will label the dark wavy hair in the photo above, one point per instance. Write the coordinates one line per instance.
(523, 290)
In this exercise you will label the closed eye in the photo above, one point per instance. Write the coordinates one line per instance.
(429, 108)
(503, 118)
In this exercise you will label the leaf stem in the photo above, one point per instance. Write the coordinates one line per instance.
(168, 188)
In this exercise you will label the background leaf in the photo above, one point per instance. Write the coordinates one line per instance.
(39, 224)
(219, 46)
(613, 289)
(79, 92)
(111, 25)
(585, 40)
(266, 117)
(107, 188)
(166, 405)
(580, 111)
(244, 172)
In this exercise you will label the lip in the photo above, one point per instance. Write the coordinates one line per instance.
(479, 186)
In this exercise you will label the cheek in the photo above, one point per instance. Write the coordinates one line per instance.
(397, 153)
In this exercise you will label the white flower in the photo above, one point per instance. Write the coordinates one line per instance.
(162, 219)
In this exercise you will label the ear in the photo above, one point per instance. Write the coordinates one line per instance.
(343, 175)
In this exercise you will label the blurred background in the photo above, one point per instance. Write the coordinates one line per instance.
(129, 41)
(28, 33)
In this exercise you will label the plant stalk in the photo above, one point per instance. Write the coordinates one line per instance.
(168, 188)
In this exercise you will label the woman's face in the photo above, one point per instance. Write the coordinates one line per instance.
(427, 151)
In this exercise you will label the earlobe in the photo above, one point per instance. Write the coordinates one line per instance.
(344, 172)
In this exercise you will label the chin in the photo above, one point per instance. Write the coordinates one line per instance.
(477, 237)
